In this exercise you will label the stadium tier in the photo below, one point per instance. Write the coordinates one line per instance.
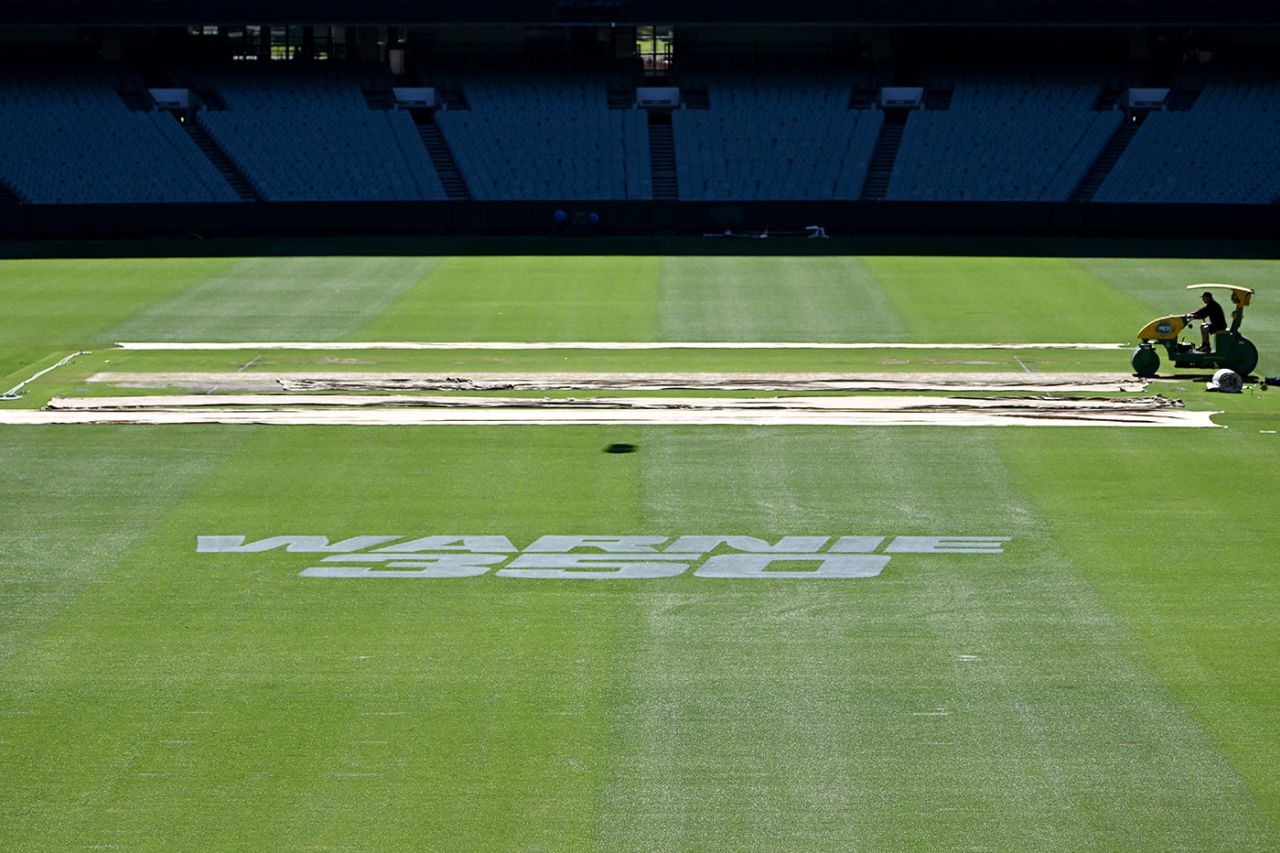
(547, 136)
(1003, 138)
(1222, 149)
(68, 138)
(309, 135)
(775, 136)
(334, 132)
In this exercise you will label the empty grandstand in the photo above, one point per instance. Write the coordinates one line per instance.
(66, 137)
(775, 136)
(457, 118)
(1223, 149)
(309, 135)
(550, 137)
(1003, 137)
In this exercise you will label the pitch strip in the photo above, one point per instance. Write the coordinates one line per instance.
(592, 345)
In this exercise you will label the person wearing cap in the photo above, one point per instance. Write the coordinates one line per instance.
(1214, 320)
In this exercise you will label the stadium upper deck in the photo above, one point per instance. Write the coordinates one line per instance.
(872, 12)
(325, 131)
(564, 108)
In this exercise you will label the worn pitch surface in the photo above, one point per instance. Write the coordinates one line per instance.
(624, 382)
(1107, 681)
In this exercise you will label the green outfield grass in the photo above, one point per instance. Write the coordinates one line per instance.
(1108, 681)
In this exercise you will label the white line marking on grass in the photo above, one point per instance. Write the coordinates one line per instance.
(1022, 364)
(940, 712)
(590, 345)
(16, 391)
(250, 363)
(348, 775)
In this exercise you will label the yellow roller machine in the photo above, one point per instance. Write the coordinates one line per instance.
(1231, 349)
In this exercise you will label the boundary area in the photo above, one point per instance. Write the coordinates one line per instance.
(15, 393)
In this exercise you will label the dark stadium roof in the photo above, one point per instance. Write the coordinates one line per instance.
(895, 12)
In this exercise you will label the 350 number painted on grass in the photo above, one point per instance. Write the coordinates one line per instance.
(603, 557)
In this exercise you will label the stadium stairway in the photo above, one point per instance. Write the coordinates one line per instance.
(221, 162)
(938, 99)
(7, 195)
(138, 102)
(862, 98)
(1107, 159)
(1108, 98)
(662, 158)
(379, 100)
(1181, 100)
(882, 159)
(210, 99)
(453, 97)
(696, 98)
(455, 187)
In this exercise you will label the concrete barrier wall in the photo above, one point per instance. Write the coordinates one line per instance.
(21, 221)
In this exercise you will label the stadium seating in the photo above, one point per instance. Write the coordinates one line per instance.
(1221, 150)
(774, 136)
(553, 137)
(304, 133)
(308, 135)
(67, 137)
(1004, 137)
